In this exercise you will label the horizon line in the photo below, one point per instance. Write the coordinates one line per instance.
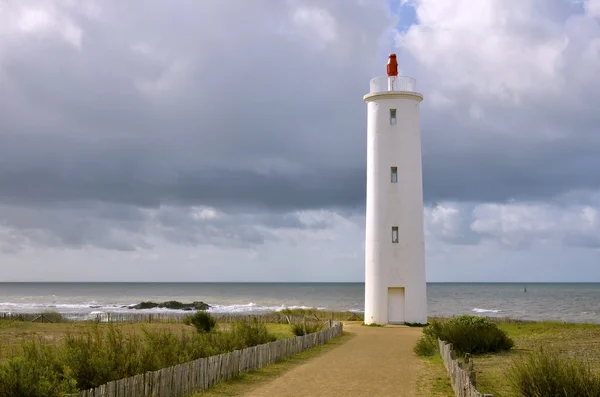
(290, 282)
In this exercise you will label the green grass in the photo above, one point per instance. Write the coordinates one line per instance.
(323, 314)
(434, 381)
(280, 331)
(307, 328)
(561, 342)
(581, 341)
(250, 381)
(67, 357)
(548, 374)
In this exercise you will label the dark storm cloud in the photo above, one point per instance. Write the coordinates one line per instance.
(77, 127)
(128, 228)
(250, 108)
(492, 169)
(251, 120)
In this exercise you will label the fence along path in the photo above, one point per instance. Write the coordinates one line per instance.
(462, 376)
(198, 375)
(178, 317)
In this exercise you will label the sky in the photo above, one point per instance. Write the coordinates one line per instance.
(226, 140)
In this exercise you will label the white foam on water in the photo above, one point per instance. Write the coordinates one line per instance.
(478, 310)
(252, 308)
(94, 308)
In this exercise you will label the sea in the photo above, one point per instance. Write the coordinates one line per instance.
(573, 302)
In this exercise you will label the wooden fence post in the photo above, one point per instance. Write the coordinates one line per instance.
(462, 374)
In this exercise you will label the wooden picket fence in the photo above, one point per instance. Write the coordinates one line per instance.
(462, 374)
(174, 317)
(198, 375)
(128, 317)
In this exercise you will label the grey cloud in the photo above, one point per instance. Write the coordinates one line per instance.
(231, 105)
(533, 135)
(91, 224)
(516, 225)
(129, 228)
(77, 127)
(451, 223)
(582, 241)
(495, 169)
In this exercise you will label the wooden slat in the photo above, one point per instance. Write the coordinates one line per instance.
(461, 375)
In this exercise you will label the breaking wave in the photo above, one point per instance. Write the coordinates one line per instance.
(478, 310)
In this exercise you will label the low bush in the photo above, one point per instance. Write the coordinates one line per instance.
(102, 354)
(543, 374)
(244, 334)
(306, 328)
(468, 334)
(39, 372)
(427, 345)
(203, 321)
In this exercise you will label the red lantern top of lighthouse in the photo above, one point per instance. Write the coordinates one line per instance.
(392, 66)
(393, 82)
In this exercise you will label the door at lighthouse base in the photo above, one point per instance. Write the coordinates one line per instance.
(396, 305)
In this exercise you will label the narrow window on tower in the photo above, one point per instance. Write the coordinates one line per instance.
(394, 234)
(393, 116)
(394, 174)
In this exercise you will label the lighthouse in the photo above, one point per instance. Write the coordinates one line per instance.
(395, 288)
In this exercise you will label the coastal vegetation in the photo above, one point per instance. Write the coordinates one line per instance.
(323, 314)
(546, 355)
(547, 358)
(468, 334)
(307, 328)
(203, 321)
(542, 373)
(81, 356)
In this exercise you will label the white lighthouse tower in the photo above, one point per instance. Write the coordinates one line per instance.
(395, 289)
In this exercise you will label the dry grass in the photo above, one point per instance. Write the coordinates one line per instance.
(580, 341)
(13, 332)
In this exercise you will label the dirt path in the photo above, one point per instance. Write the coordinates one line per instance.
(375, 362)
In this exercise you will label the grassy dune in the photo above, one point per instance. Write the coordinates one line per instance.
(50, 359)
(579, 341)
(12, 333)
(514, 358)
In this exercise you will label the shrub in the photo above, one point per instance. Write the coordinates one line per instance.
(203, 321)
(101, 354)
(39, 372)
(427, 345)
(306, 328)
(542, 374)
(245, 334)
(471, 334)
(97, 357)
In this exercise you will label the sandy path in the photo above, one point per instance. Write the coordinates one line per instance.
(375, 362)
